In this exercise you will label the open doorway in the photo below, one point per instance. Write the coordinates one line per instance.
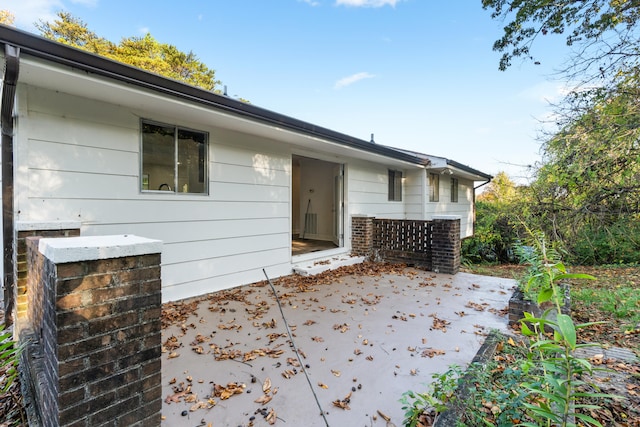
(317, 205)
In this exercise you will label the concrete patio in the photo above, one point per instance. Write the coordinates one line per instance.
(366, 335)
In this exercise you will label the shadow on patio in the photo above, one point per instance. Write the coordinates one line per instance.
(371, 331)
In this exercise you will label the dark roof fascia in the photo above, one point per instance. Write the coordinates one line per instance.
(449, 162)
(468, 169)
(43, 48)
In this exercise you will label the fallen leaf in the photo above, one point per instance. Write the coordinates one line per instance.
(264, 399)
(199, 405)
(266, 385)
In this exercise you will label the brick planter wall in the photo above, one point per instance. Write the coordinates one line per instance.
(446, 246)
(434, 245)
(518, 305)
(93, 316)
(402, 240)
(31, 229)
(362, 235)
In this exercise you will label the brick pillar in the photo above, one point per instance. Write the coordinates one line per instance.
(26, 229)
(362, 235)
(94, 313)
(445, 244)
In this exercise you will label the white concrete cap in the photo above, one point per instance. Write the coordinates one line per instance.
(450, 217)
(47, 225)
(89, 248)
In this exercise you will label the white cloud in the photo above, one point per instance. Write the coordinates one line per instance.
(310, 2)
(547, 92)
(367, 3)
(29, 12)
(89, 3)
(349, 80)
(143, 30)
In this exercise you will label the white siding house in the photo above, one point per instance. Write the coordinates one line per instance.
(245, 182)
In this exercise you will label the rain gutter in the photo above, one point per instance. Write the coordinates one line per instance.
(9, 81)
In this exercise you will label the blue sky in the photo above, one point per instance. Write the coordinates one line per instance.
(419, 74)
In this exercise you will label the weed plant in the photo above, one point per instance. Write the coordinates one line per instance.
(535, 384)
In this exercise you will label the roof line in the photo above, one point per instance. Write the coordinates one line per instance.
(43, 48)
(449, 162)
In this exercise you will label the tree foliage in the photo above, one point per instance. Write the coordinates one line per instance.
(587, 189)
(604, 32)
(142, 52)
(6, 17)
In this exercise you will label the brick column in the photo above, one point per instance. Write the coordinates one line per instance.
(362, 235)
(94, 313)
(445, 244)
(26, 229)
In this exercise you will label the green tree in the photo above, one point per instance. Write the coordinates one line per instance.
(604, 32)
(142, 52)
(7, 18)
(586, 193)
(501, 188)
(497, 228)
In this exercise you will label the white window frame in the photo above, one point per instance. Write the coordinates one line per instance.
(395, 185)
(434, 187)
(455, 185)
(144, 176)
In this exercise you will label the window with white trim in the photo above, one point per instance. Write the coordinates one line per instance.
(434, 187)
(395, 185)
(454, 190)
(174, 159)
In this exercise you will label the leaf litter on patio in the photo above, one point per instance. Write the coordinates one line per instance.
(215, 339)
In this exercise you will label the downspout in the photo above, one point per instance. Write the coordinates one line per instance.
(474, 203)
(9, 81)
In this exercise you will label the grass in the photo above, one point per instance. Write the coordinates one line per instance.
(613, 298)
(623, 303)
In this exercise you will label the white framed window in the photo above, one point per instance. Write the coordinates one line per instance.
(434, 187)
(174, 159)
(454, 190)
(395, 185)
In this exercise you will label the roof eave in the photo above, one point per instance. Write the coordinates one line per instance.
(43, 48)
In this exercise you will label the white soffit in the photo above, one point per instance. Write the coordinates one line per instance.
(41, 73)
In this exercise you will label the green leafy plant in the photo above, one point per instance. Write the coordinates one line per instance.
(441, 393)
(9, 356)
(558, 389)
(540, 383)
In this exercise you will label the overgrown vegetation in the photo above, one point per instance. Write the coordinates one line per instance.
(11, 408)
(539, 383)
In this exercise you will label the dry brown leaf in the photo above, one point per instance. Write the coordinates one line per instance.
(199, 405)
(264, 399)
(266, 385)
(343, 403)
(271, 417)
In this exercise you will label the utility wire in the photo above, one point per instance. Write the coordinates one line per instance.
(295, 349)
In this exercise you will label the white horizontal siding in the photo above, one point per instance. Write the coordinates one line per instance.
(463, 208)
(413, 194)
(194, 231)
(79, 160)
(368, 192)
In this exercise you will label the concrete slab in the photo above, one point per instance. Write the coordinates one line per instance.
(317, 266)
(371, 338)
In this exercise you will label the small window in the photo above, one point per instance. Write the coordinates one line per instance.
(173, 159)
(434, 187)
(454, 190)
(395, 186)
